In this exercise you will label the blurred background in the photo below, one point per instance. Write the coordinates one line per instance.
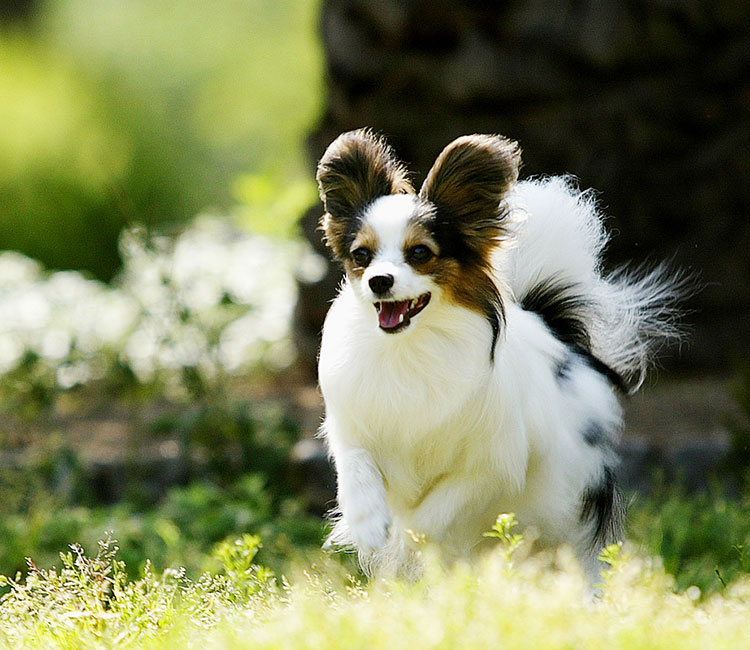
(163, 285)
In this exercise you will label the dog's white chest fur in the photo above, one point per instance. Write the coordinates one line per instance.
(399, 401)
(399, 396)
(403, 385)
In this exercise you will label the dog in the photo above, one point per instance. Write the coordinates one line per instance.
(471, 362)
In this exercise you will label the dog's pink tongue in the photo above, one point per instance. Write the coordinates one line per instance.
(390, 313)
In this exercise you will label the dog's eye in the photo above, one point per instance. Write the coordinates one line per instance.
(361, 256)
(420, 254)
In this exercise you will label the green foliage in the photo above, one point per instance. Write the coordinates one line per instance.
(145, 112)
(224, 439)
(699, 537)
(60, 162)
(90, 602)
(91, 599)
(179, 531)
(237, 561)
(611, 555)
(737, 462)
(271, 204)
(509, 542)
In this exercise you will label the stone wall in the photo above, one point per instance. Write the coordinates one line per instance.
(648, 101)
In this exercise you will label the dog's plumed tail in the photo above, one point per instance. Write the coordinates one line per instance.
(620, 319)
(640, 312)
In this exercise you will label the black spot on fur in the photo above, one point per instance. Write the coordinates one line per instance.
(602, 505)
(495, 315)
(594, 435)
(564, 368)
(614, 377)
(563, 310)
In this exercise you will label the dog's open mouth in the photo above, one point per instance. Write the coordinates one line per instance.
(394, 315)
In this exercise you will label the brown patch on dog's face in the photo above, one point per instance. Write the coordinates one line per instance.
(420, 249)
(357, 168)
(464, 274)
(361, 251)
(470, 287)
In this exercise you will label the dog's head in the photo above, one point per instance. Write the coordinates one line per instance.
(403, 250)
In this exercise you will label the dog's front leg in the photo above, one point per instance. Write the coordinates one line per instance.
(365, 518)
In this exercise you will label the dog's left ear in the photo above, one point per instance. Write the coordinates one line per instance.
(357, 168)
(468, 182)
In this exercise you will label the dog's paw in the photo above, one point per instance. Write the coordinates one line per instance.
(368, 522)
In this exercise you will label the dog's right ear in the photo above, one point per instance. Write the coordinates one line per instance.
(467, 183)
(357, 168)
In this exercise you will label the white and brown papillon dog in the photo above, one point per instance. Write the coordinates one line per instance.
(471, 361)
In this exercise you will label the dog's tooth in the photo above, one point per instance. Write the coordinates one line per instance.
(400, 318)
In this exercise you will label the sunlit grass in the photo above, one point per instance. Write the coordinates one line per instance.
(703, 538)
(540, 603)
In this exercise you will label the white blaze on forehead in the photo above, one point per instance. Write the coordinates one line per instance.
(388, 217)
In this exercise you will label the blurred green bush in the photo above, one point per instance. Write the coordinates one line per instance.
(702, 539)
(115, 113)
(179, 531)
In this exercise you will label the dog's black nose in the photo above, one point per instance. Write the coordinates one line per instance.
(381, 283)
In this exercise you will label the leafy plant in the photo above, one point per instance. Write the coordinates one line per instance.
(509, 542)
(237, 557)
(181, 530)
(90, 602)
(737, 461)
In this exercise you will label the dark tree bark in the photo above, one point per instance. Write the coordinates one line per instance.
(647, 101)
(16, 10)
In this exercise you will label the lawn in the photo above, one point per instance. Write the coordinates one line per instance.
(503, 601)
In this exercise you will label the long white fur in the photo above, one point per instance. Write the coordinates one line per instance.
(562, 235)
(431, 437)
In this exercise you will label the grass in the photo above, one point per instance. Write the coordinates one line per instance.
(538, 603)
(191, 572)
(178, 533)
(703, 539)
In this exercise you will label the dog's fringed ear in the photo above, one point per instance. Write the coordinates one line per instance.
(468, 181)
(357, 168)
